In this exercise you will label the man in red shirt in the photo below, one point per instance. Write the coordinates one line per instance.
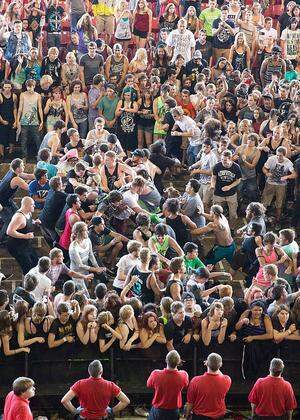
(206, 393)
(94, 395)
(16, 405)
(272, 396)
(168, 384)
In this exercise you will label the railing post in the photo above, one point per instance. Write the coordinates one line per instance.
(195, 361)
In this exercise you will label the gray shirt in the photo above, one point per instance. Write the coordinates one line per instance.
(91, 66)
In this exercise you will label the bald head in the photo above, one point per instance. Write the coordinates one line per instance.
(27, 204)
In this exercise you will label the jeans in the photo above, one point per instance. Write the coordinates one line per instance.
(53, 40)
(30, 136)
(9, 209)
(249, 190)
(192, 152)
(26, 257)
(83, 128)
(162, 414)
(50, 235)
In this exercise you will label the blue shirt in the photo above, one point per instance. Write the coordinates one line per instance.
(35, 188)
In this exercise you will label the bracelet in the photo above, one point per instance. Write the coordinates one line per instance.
(65, 339)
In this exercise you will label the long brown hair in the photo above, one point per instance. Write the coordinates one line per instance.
(88, 309)
(145, 319)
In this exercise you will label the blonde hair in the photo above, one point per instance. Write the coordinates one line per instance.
(145, 255)
(141, 56)
(78, 231)
(237, 36)
(104, 318)
(125, 313)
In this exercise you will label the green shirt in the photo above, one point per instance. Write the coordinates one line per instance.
(51, 169)
(207, 16)
(108, 107)
(193, 264)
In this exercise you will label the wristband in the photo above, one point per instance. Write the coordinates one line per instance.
(65, 339)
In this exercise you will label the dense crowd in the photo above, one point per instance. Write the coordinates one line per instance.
(116, 103)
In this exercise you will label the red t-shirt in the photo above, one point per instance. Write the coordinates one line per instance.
(207, 394)
(94, 396)
(16, 408)
(273, 396)
(167, 385)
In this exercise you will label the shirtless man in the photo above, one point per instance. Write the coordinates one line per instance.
(225, 246)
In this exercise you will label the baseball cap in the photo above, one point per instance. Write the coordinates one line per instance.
(138, 153)
(197, 54)
(276, 49)
(71, 154)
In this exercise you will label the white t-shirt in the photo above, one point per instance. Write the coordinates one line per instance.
(188, 124)
(278, 170)
(124, 265)
(208, 161)
(265, 33)
(292, 39)
(44, 284)
(182, 43)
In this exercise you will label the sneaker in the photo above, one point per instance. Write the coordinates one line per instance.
(140, 411)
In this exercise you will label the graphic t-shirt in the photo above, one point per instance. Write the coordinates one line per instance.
(223, 39)
(292, 39)
(226, 176)
(182, 43)
(54, 19)
(278, 170)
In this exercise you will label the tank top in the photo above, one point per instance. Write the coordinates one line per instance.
(271, 69)
(239, 61)
(123, 30)
(169, 285)
(214, 333)
(142, 22)
(145, 119)
(266, 130)
(30, 111)
(273, 149)
(250, 329)
(80, 115)
(39, 328)
(269, 259)
(140, 288)
(56, 111)
(65, 238)
(116, 67)
(111, 178)
(6, 192)
(7, 108)
(22, 243)
(248, 173)
(180, 229)
(163, 247)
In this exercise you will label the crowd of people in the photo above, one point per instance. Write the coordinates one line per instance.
(114, 103)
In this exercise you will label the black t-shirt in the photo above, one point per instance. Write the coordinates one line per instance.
(62, 330)
(54, 204)
(226, 176)
(53, 18)
(97, 239)
(193, 69)
(175, 332)
(205, 49)
(81, 179)
(223, 39)
(53, 69)
(162, 161)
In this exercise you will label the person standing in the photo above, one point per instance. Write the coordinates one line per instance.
(272, 396)
(30, 118)
(181, 41)
(94, 395)
(16, 405)
(226, 177)
(8, 115)
(206, 393)
(20, 233)
(168, 385)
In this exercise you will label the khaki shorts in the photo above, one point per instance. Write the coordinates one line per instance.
(206, 193)
(274, 190)
(105, 24)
